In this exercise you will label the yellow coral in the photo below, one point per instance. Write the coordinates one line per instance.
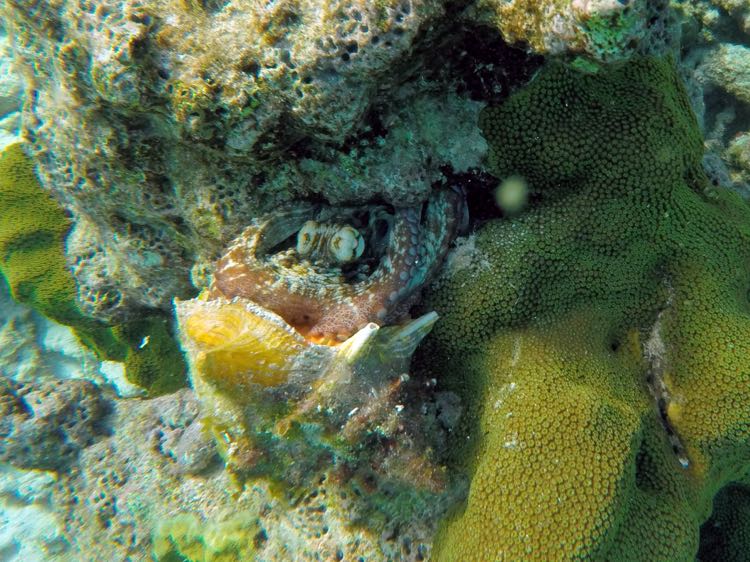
(600, 338)
(557, 493)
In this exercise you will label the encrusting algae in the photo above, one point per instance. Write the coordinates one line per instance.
(33, 231)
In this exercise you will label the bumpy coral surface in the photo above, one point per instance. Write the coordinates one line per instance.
(599, 339)
(337, 278)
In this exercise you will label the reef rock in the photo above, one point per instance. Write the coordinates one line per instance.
(601, 30)
(45, 425)
(11, 94)
(715, 65)
(163, 126)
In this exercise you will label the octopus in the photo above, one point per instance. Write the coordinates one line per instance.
(330, 271)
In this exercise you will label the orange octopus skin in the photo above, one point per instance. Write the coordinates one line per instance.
(322, 304)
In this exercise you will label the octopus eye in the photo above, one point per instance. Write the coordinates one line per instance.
(346, 245)
(305, 237)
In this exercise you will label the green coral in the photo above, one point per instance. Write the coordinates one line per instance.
(33, 229)
(32, 237)
(624, 282)
(726, 535)
(153, 360)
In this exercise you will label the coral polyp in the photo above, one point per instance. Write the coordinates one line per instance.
(350, 266)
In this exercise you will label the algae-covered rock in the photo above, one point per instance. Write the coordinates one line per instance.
(600, 338)
(728, 66)
(599, 30)
(153, 488)
(45, 424)
(176, 117)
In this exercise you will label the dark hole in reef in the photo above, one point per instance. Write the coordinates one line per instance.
(719, 535)
(371, 130)
(260, 539)
(251, 67)
(479, 188)
(143, 19)
(481, 64)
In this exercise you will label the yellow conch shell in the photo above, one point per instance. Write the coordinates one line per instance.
(253, 373)
(235, 344)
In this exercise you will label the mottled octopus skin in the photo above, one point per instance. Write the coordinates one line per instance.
(321, 304)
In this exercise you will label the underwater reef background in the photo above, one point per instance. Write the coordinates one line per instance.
(393, 280)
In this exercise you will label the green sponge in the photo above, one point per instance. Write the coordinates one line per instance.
(33, 228)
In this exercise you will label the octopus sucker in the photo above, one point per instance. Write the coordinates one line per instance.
(328, 271)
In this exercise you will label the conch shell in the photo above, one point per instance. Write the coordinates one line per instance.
(254, 374)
